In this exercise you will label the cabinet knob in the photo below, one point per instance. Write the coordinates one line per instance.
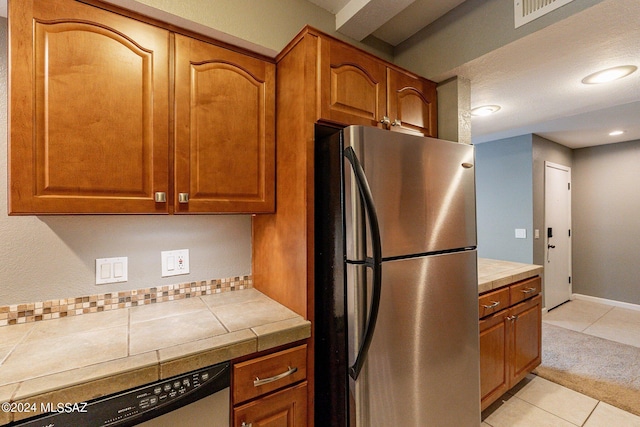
(183, 197)
(396, 122)
(385, 121)
(245, 424)
(160, 197)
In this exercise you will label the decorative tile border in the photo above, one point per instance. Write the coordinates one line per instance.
(53, 309)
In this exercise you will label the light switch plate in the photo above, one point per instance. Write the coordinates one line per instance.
(112, 270)
(175, 263)
(521, 233)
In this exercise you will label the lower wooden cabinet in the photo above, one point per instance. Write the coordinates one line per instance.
(286, 408)
(271, 390)
(510, 343)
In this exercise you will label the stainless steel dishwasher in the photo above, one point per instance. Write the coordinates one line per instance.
(196, 399)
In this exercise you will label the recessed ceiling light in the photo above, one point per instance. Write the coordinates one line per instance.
(616, 133)
(484, 110)
(609, 74)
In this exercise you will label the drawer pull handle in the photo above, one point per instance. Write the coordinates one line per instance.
(529, 290)
(290, 371)
(494, 304)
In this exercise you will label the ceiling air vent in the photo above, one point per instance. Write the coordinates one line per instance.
(528, 10)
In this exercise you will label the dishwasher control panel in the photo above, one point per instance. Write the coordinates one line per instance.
(139, 404)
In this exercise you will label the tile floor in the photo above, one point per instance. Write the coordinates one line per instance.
(536, 402)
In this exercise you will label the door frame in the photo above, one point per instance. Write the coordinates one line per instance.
(547, 206)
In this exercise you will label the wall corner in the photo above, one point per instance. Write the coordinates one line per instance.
(454, 110)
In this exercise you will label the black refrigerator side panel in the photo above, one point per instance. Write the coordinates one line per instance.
(331, 402)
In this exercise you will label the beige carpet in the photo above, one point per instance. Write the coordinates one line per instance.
(603, 369)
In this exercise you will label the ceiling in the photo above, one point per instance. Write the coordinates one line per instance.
(536, 79)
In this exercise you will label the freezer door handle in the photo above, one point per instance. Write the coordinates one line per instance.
(375, 264)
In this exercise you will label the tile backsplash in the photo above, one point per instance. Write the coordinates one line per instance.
(53, 309)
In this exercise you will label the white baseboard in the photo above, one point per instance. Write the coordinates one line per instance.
(614, 303)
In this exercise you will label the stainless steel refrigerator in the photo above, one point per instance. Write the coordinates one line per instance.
(396, 296)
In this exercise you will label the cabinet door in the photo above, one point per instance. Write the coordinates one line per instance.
(527, 338)
(411, 104)
(353, 85)
(224, 130)
(494, 358)
(286, 408)
(89, 110)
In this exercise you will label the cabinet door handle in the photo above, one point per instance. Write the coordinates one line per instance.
(160, 197)
(529, 290)
(512, 318)
(396, 122)
(183, 197)
(385, 121)
(246, 425)
(290, 371)
(493, 304)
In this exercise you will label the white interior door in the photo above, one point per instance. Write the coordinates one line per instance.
(557, 269)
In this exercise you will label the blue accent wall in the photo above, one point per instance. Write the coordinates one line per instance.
(504, 177)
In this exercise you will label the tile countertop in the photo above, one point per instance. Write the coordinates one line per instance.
(493, 273)
(75, 359)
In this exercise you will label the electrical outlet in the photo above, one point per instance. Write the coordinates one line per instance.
(175, 263)
(111, 270)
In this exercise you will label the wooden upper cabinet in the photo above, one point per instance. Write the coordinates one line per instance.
(89, 110)
(91, 119)
(353, 85)
(411, 104)
(224, 130)
(357, 88)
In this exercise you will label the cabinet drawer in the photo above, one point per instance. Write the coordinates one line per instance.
(264, 374)
(525, 289)
(286, 407)
(493, 302)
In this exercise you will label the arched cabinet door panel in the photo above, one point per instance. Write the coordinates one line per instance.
(412, 102)
(357, 88)
(224, 130)
(353, 85)
(89, 111)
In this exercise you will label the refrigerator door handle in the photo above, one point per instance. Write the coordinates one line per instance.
(375, 264)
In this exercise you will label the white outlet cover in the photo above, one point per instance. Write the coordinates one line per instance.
(175, 263)
(112, 270)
